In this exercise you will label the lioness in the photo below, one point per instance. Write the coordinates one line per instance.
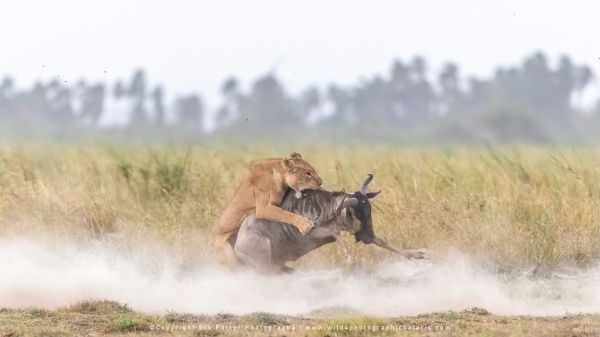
(262, 192)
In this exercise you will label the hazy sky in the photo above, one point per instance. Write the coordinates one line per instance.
(192, 45)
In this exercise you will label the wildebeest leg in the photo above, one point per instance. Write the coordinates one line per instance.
(407, 253)
(254, 250)
(348, 258)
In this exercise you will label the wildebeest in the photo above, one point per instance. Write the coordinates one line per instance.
(266, 246)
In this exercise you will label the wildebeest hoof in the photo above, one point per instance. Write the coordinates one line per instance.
(287, 270)
(418, 254)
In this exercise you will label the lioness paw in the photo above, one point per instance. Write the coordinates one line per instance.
(305, 226)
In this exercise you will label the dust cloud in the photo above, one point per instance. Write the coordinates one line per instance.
(38, 273)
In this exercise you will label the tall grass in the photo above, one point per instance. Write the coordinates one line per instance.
(514, 207)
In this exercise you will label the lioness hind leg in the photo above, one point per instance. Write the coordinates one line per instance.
(224, 251)
(226, 230)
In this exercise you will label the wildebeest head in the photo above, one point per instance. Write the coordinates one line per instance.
(359, 207)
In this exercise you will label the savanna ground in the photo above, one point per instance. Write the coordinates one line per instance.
(94, 318)
(512, 209)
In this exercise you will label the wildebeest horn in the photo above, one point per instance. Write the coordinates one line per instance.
(350, 202)
(363, 188)
(409, 254)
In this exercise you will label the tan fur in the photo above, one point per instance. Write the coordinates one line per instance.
(262, 192)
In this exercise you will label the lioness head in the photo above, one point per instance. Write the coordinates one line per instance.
(300, 175)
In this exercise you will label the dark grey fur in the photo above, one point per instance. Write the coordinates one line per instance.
(266, 245)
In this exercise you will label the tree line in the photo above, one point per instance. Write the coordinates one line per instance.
(533, 101)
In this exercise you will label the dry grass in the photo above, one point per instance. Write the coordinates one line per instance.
(513, 207)
(100, 322)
